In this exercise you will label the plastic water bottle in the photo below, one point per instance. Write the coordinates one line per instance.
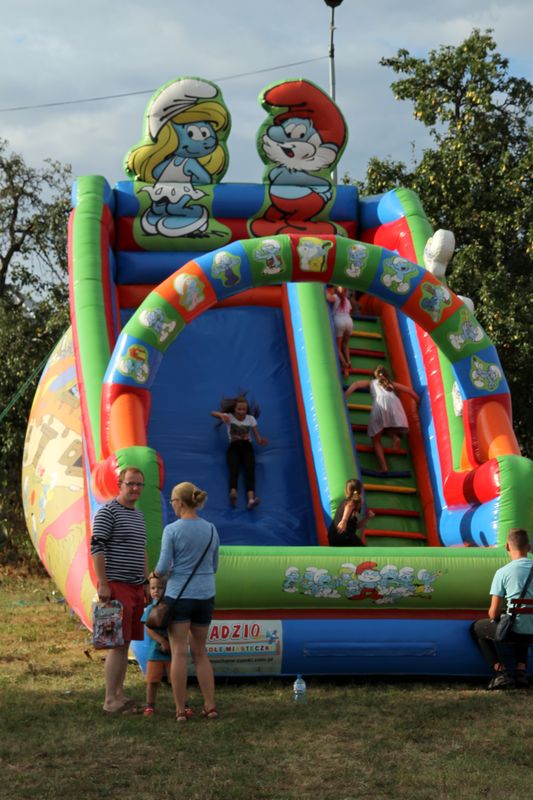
(299, 690)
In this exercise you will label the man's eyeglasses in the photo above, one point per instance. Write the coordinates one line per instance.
(130, 484)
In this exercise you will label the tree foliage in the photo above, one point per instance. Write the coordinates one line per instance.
(476, 181)
(34, 208)
(34, 204)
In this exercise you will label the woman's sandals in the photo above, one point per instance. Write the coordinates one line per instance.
(185, 715)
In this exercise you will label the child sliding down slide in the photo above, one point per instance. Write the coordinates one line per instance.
(240, 425)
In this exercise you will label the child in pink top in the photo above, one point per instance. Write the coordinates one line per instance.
(342, 321)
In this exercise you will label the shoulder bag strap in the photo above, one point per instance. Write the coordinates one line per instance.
(524, 589)
(196, 565)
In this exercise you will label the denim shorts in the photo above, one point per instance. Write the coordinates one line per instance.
(197, 612)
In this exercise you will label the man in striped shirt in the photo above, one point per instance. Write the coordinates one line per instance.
(118, 549)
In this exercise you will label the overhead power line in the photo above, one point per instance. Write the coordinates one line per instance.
(151, 91)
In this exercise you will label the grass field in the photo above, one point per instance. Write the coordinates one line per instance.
(354, 739)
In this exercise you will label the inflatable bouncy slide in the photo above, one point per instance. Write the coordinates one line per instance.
(185, 289)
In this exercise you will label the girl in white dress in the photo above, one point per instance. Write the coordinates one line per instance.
(387, 415)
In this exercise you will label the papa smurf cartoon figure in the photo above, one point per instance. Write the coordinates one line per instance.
(301, 141)
(134, 364)
(268, 252)
(183, 149)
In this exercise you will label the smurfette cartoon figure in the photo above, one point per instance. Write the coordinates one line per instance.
(300, 146)
(186, 126)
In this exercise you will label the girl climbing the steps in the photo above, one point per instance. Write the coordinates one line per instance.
(349, 517)
(342, 307)
(387, 416)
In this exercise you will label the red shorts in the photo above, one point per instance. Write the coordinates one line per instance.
(132, 597)
(155, 671)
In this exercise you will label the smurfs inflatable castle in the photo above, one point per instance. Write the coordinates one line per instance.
(185, 289)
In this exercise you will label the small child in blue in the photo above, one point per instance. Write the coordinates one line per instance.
(158, 648)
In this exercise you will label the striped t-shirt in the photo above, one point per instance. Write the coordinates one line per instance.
(120, 534)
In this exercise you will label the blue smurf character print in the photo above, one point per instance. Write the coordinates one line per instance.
(135, 363)
(292, 579)
(301, 146)
(435, 299)
(184, 124)
(226, 267)
(157, 321)
(397, 274)
(468, 331)
(483, 375)
(357, 257)
(268, 252)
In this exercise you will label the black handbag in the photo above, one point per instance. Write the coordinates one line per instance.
(159, 614)
(504, 627)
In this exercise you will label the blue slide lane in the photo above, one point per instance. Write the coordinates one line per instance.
(219, 354)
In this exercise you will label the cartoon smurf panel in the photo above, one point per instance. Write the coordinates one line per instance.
(300, 142)
(182, 154)
(384, 586)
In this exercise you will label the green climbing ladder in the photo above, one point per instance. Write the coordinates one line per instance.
(393, 498)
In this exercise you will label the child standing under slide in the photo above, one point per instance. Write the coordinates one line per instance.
(240, 425)
(158, 649)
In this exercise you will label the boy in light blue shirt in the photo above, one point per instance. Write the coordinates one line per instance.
(508, 584)
(158, 656)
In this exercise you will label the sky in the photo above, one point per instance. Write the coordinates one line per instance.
(54, 51)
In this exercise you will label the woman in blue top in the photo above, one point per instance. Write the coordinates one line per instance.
(182, 546)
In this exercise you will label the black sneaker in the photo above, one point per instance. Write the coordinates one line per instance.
(520, 679)
(502, 680)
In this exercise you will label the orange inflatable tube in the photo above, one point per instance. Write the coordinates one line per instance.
(495, 433)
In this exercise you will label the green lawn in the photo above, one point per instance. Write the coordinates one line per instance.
(381, 740)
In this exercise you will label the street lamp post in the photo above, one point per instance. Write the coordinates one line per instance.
(332, 4)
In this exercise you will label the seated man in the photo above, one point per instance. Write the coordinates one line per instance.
(508, 583)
